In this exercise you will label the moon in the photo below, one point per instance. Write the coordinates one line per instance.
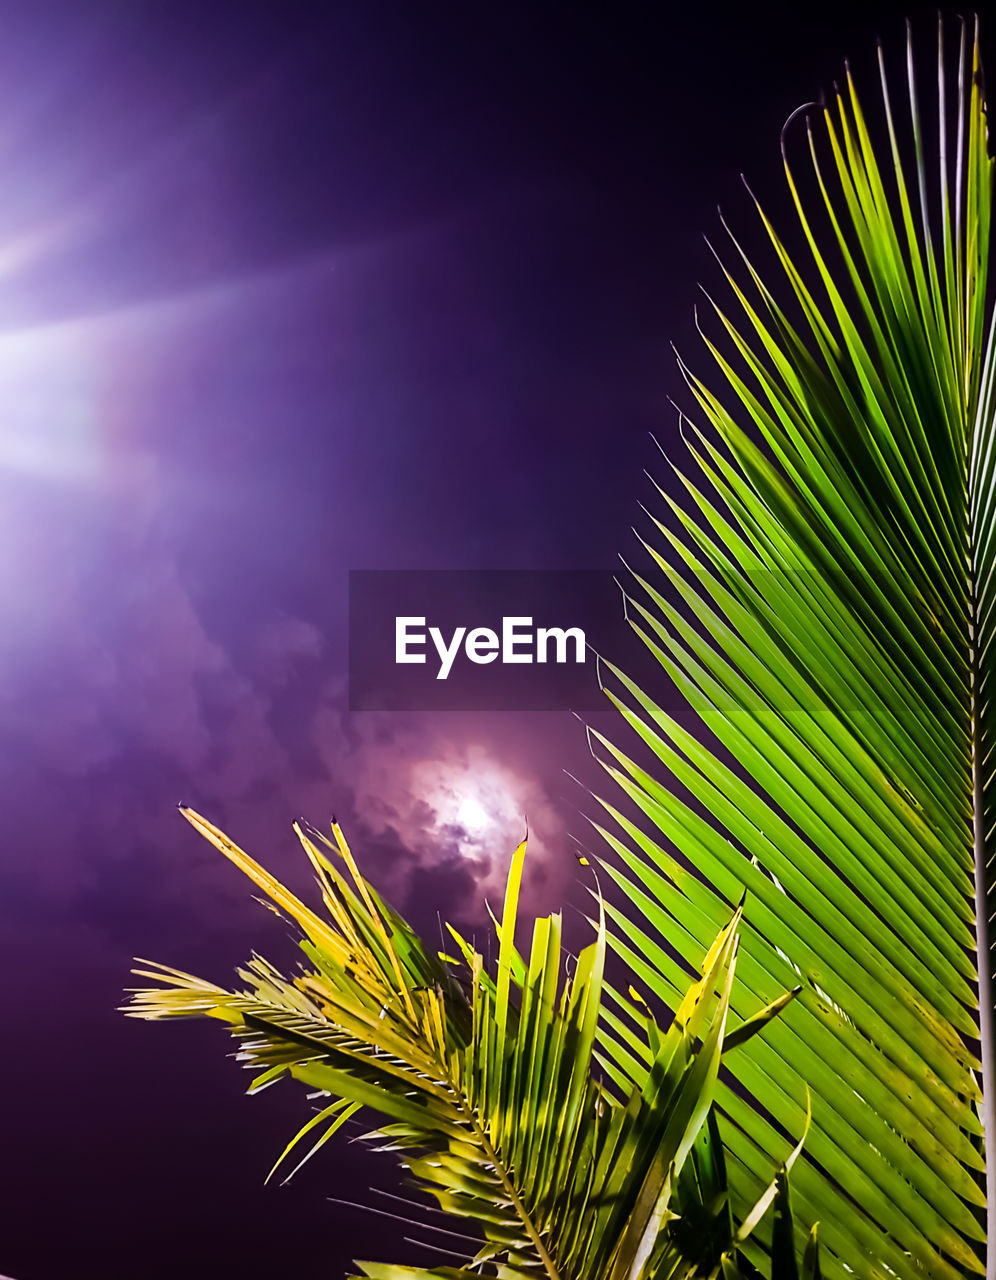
(472, 815)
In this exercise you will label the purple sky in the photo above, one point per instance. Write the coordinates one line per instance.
(287, 290)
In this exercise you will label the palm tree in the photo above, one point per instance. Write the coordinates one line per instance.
(822, 600)
(496, 1104)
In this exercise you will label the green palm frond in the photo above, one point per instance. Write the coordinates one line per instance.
(822, 601)
(489, 1083)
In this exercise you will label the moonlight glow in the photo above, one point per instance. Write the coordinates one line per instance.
(475, 802)
(472, 815)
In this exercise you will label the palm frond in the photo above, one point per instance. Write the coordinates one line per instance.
(489, 1084)
(822, 602)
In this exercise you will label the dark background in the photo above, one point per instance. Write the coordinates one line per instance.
(287, 290)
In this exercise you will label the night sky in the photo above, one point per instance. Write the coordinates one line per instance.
(289, 290)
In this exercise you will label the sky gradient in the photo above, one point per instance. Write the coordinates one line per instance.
(289, 290)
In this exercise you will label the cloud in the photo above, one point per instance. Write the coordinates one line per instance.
(124, 703)
(142, 664)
